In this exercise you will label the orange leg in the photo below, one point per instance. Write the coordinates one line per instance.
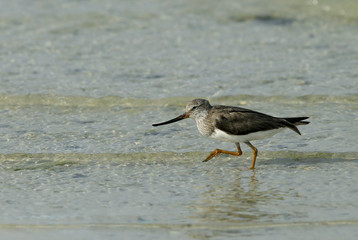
(218, 151)
(254, 151)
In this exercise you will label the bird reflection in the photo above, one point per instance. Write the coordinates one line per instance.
(239, 200)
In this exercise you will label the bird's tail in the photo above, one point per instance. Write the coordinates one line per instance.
(297, 120)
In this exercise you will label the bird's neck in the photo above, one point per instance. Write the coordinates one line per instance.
(202, 123)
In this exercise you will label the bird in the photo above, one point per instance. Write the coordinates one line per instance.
(234, 124)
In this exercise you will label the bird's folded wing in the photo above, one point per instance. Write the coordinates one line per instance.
(241, 121)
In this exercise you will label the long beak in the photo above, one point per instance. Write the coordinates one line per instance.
(181, 117)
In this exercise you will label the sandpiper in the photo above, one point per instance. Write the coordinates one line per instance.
(234, 124)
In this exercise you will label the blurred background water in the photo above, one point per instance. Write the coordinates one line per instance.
(81, 82)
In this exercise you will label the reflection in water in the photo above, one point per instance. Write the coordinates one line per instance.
(237, 199)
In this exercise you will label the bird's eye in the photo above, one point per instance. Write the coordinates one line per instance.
(193, 108)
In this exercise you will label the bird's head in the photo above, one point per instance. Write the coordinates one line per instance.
(195, 109)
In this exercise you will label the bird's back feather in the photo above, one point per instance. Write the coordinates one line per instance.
(241, 121)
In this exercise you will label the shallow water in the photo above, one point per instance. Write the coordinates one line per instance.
(149, 195)
(81, 84)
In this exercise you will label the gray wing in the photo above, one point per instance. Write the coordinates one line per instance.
(241, 121)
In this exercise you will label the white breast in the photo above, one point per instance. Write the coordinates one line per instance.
(223, 136)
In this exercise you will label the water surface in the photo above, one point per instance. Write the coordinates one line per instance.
(82, 82)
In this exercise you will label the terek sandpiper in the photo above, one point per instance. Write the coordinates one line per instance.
(234, 124)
